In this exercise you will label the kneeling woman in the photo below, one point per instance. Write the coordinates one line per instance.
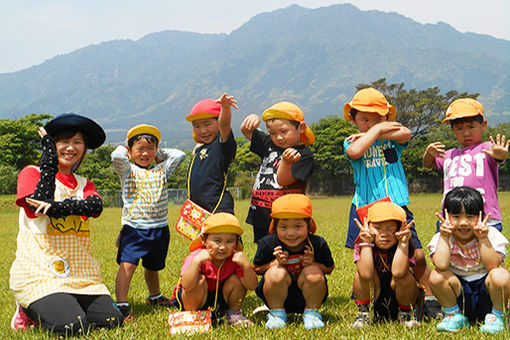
(55, 279)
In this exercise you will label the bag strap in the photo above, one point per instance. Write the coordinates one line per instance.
(222, 190)
(385, 179)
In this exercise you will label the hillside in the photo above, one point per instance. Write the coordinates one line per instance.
(313, 57)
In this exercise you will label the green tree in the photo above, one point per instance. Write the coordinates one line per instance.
(19, 140)
(244, 168)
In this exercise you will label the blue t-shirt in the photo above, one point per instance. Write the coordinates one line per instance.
(369, 173)
(209, 168)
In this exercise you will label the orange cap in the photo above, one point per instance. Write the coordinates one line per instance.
(292, 206)
(462, 108)
(218, 223)
(386, 211)
(370, 100)
(289, 111)
(143, 129)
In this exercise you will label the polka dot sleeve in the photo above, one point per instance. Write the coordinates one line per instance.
(90, 207)
(45, 189)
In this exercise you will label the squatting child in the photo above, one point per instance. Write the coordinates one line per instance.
(286, 161)
(217, 274)
(293, 263)
(469, 281)
(215, 151)
(375, 155)
(384, 261)
(474, 165)
(145, 234)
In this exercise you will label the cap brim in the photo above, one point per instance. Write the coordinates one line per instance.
(203, 115)
(93, 132)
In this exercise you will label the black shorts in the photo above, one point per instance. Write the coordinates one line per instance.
(221, 304)
(295, 301)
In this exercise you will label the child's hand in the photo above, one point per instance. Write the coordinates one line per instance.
(241, 259)
(41, 206)
(436, 150)
(498, 149)
(365, 234)
(203, 255)
(404, 235)
(307, 258)
(387, 127)
(281, 255)
(353, 138)
(42, 132)
(250, 123)
(227, 101)
(481, 229)
(291, 155)
(446, 228)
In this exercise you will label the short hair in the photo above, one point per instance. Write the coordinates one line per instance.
(464, 197)
(477, 118)
(149, 138)
(295, 123)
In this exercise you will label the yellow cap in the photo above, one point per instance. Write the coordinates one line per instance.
(289, 111)
(292, 206)
(143, 129)
(218, 223)
(462, 108)
(370, 100)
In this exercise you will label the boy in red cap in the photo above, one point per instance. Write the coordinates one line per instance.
(145, 234)
(286, 161)
(474, 165)
(293, 262)
(375, 155)
(217, 274)
(215, 151)
(384, 257)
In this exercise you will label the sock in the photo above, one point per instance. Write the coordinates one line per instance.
(430, 298)
(278, 310)
(404, 308)
(452, 310)
(122, 304)
(497, 312)
(311, 309)
(155, 297)
(363, 306)
(231, 312)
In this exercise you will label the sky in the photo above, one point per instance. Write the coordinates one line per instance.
(32, 31)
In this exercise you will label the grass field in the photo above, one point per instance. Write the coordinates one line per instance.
(338, 312)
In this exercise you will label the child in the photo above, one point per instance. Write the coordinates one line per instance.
(293, 262)
(145, 234)
(216, 274)
(475, 164)
(375, 155)
(215, 151)
(383, 257)
(286, 161)
(55, 279)
(469, 281)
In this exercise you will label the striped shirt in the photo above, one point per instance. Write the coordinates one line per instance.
(144, 191)
(369, 173)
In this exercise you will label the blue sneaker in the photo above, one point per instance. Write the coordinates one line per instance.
(312, 319)
(276, 319)
(452, 322)
(492, 324)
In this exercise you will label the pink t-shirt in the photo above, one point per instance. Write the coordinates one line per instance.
(210, 271)
(471, 167)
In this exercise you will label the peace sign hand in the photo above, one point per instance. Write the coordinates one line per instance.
(446, 228)
(404, 235)
(366, 235)
(481, 229)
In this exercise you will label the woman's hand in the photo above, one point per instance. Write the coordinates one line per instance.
(41, 206)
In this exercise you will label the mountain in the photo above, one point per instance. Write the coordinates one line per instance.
(313, 57)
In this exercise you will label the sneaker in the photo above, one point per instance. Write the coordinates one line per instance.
(126, 312)
(492, 324)
(158, 300)
(433, 309)
(407, 319)
(20, 321)
(452, 322)
(362, 320)
(276, 319)
(237, 319)
(312, 319)
(261, 309)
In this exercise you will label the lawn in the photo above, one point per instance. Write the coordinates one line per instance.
(331, 216)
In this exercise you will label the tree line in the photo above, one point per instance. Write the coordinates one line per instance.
(419, 110)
